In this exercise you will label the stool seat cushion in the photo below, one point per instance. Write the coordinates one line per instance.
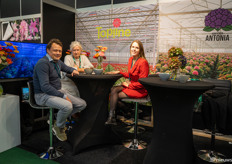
(140, 100)
(39, 107)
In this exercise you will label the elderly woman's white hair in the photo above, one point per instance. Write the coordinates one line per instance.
(74, 44)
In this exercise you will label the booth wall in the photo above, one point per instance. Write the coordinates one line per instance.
(58, 23)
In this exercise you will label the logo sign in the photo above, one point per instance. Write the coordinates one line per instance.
(218, 19)
(117, 22)
(115, 32)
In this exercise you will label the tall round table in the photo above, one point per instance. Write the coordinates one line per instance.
(173, 102)
(90, 130)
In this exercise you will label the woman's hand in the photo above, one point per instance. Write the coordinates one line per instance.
(75, 66)
(81, 70)
(112, 72)
(126, 83)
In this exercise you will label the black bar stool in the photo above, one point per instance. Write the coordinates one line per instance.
(51, 153)
(135, 144)
(222, 89)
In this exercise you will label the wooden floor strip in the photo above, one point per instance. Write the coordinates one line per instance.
(201, 133)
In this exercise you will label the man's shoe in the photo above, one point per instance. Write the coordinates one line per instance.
(59, 132)
(48, 121)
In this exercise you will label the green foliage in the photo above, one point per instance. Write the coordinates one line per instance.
(109, 68)
(227, 28)
(119, 81)
(215, 73)
(208, 29)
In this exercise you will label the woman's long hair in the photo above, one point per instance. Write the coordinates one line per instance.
(141, 49)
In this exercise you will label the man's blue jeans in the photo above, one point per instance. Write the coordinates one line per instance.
(66, 108)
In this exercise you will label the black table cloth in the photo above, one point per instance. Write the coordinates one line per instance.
(173, 102)
(90, 130)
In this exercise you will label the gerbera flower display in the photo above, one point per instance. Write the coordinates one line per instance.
(100, 55)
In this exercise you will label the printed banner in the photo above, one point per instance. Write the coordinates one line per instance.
(203, 30)
(116, 29)
(22, 30)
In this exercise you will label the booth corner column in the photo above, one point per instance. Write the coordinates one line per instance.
(10, 134)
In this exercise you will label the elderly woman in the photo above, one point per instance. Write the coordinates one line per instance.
(77, 61)
(138, 67)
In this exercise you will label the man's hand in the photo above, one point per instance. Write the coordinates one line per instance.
(68, 99)
(75, 72)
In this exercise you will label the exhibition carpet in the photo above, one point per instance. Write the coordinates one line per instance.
(38, 142)
(17, 155)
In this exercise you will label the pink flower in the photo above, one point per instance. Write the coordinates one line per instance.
(165, 65)
(37, 20)
(16, 32)
(196, 67)
(194, 58)
(188, 68)
(206, 60)
(101, 53)
(32, 28)
(201, 59)
(83, 53)
(195, 72)
(23, 27)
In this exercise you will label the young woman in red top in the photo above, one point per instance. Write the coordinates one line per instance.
(138, 67)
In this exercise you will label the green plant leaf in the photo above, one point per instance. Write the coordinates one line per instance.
(109, 68)
(119, 81)
(227, 28)
(3, 58)
(208, 29)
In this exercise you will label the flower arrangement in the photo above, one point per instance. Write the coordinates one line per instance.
(86, 53)
(7, 53)
(176, 60)
(100, 55)
(68, 52)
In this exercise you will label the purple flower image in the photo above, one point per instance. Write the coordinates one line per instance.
(218, 19)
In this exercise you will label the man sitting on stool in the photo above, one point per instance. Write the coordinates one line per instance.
(47, 87)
